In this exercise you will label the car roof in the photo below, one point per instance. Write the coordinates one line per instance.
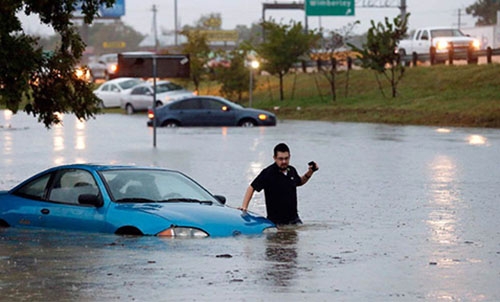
(151, 84)
(117, 80)
(104, 167)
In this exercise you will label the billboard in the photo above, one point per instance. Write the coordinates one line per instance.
(330, 7)
(143, 65)
(116, 11)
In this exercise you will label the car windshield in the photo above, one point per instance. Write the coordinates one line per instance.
(129, 83)
(446, 33)
(149, 185)
(236, 105)
(168, 86)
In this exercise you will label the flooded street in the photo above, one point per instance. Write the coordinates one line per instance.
(395, 213)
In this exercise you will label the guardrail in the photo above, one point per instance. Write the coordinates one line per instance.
(450, 56)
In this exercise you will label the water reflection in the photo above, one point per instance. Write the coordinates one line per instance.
(7, 135)
(281, 255)
(477, 140)
(58, 137)
(64, 135)
(443, 130)
(80, 143)
(442, 218)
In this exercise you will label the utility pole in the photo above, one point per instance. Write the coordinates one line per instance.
(176, 29)
(402, 9)
(459, 18)
(155, 28)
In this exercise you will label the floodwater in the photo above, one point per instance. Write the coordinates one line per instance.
(395, 213)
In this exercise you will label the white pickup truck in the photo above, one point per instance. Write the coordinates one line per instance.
(436, 43)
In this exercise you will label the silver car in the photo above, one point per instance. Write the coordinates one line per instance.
(112, 91)
(140, 98)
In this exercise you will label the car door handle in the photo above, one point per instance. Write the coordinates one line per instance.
(45, 211)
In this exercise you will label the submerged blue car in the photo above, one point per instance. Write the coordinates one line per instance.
(208, 111)
(124, 200)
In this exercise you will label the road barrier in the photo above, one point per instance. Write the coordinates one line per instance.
(450, 56)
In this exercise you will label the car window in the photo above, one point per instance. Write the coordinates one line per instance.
(447, 33)
(68, 185)
(213, 104)
(114, 88)
(139, 91)
(34, 189)
(152, 185)
(425, 35)
(129, 83)
(105, 87)
(189, 104)
(169, 86)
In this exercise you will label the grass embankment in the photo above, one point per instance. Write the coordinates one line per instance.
(460, 95)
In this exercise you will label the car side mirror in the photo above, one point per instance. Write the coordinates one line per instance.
(221, 198)
(90, 199)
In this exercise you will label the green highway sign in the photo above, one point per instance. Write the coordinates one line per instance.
(330, 7)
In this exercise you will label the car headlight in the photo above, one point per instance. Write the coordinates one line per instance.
(476, 44)
(441, 45)
(184, 232)
(262, 117)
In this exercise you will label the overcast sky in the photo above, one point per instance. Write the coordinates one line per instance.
(233, 12)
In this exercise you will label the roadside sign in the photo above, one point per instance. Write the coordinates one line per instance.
(330, 7)
(114, 44)
(147, 66)
(115, 11)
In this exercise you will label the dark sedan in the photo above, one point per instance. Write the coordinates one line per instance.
(209, 111)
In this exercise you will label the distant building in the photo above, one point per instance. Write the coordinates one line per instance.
(165, 40)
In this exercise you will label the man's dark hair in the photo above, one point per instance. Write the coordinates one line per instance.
(281, 147)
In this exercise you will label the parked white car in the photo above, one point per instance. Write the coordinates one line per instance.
(112, 91)
(140, 98)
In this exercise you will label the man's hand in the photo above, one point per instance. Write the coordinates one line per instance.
(313, 166)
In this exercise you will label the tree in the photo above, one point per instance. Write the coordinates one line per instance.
(45, 82)
(378, 52)
(485, 11)
(198, 51)
(282, 47)
(236, 77)
(335, 50)
(252, 35)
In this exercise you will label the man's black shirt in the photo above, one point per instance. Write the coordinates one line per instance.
(280, 191)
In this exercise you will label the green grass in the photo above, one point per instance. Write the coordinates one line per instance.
(460, 95)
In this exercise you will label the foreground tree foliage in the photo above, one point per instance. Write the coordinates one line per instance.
(378, 53)
(44, 83)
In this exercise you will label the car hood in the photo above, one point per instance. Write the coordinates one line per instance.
(215, 219)
(258, 111)
(454, 39)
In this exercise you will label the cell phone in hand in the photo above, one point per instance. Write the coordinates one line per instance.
(313, 165)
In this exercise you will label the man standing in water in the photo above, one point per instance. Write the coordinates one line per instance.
(280, 182)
